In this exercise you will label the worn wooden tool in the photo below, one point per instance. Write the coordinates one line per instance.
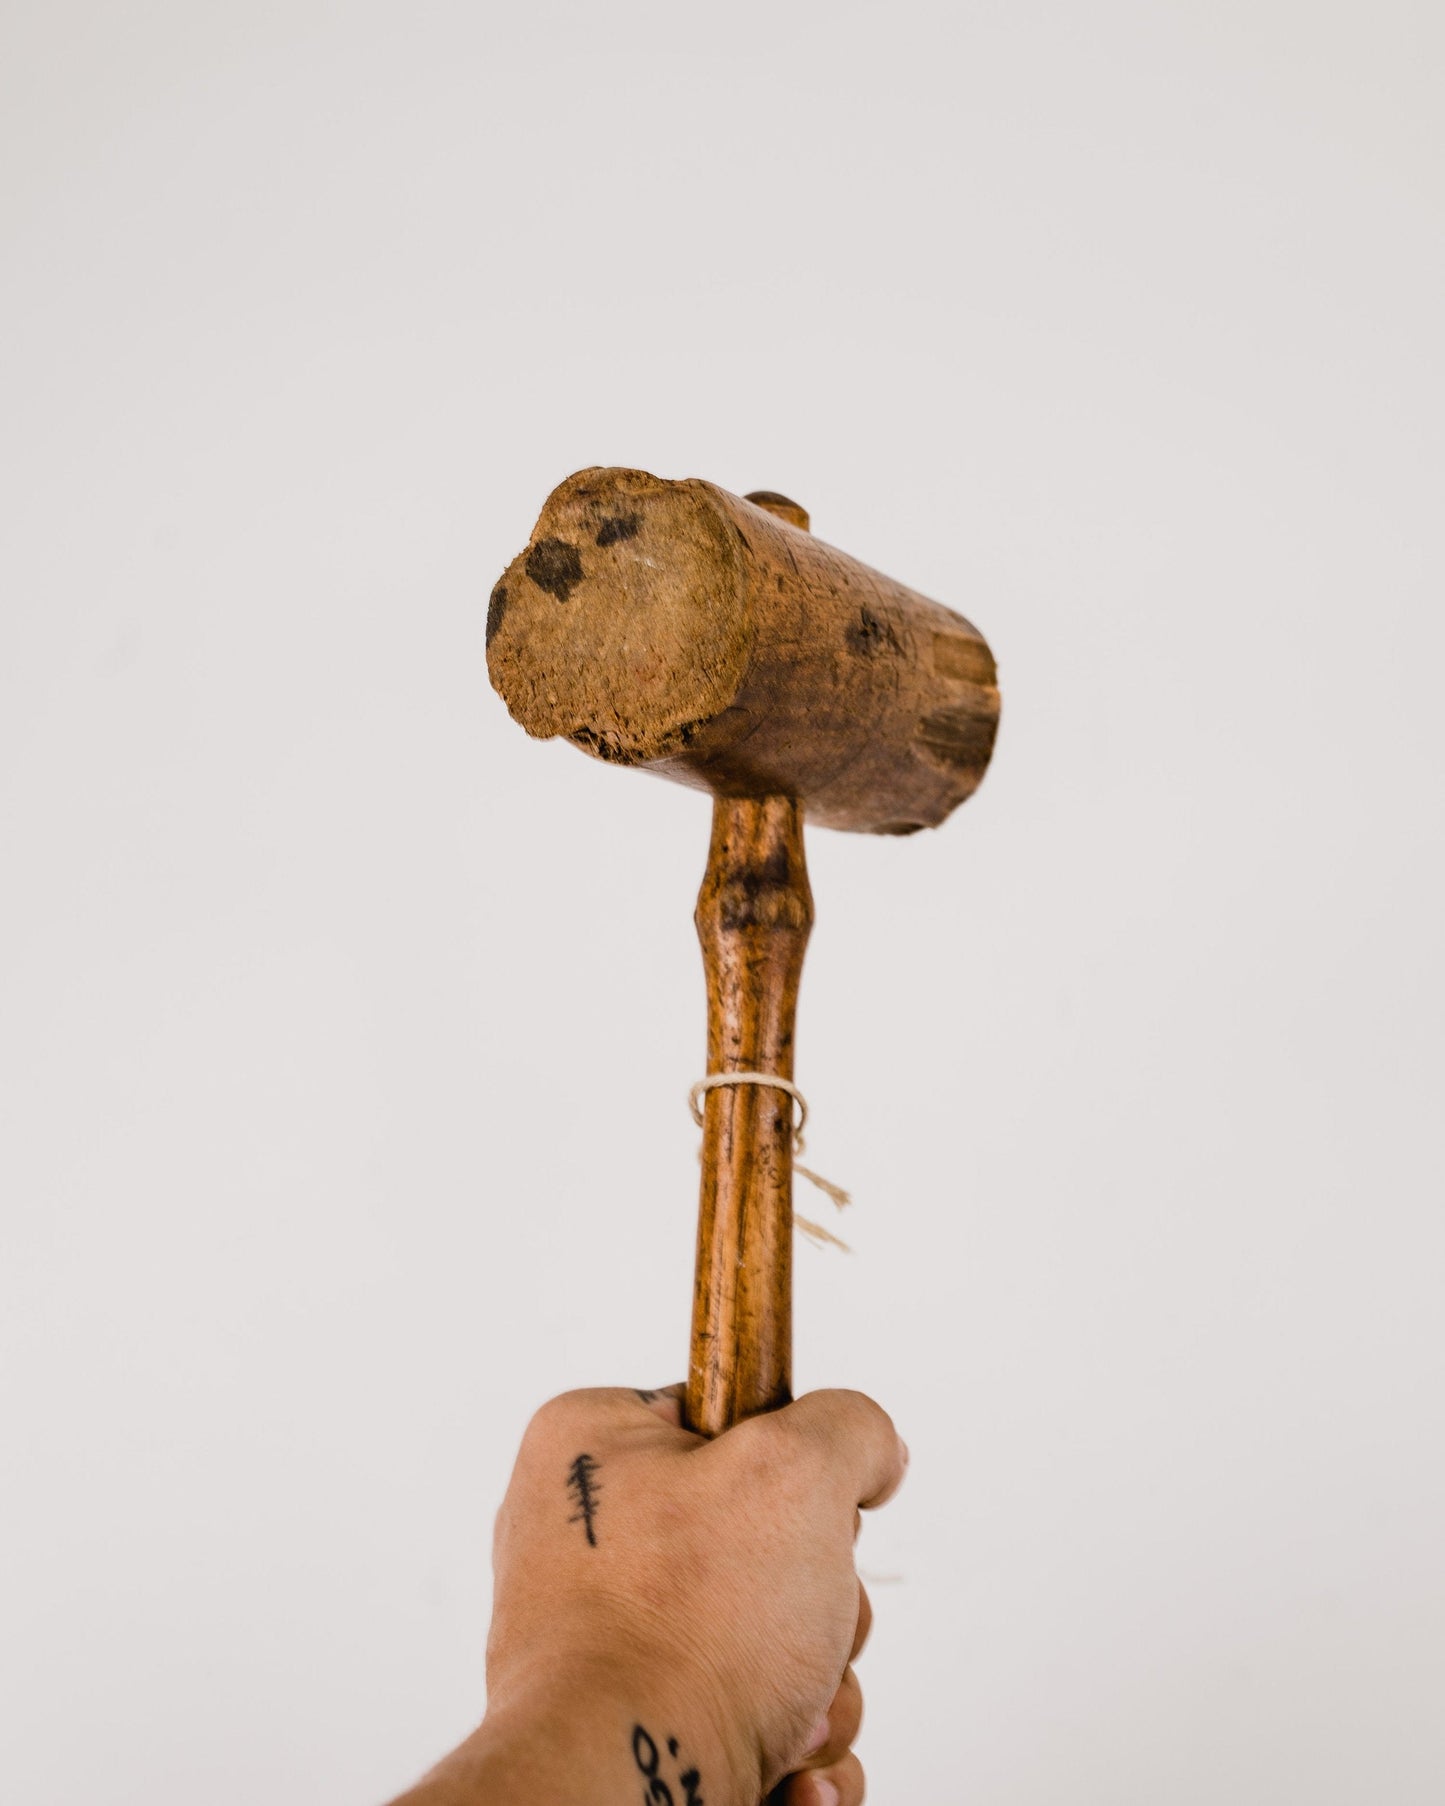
(710, 638)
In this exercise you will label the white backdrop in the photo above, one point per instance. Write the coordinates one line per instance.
(345, 1033)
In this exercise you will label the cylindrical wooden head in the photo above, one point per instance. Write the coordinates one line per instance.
(676, 627)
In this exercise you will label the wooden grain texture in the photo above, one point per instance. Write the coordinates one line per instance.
(691, 632)
(754, 914)
(710, 638)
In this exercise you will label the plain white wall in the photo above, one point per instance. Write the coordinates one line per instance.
(345, 1033)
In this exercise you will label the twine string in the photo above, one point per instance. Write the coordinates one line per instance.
(841, 1199)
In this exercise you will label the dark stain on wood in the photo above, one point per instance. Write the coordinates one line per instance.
(555, 566)
(600, 746)
(868, 635)
(496, 608)
(618, 526)
(761, 893)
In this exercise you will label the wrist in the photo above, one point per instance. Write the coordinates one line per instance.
(625, 1730)
(590, 1735)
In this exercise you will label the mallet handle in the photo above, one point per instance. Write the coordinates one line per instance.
(753, 917)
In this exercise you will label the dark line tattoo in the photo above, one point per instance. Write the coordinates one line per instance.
(648, 1398)
(582, 1483)
(648, 1758)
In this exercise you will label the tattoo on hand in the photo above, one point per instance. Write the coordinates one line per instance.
(647, 1398)
(582, 1483)
(648, 1758)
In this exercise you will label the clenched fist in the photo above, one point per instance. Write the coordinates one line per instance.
(674, 1620)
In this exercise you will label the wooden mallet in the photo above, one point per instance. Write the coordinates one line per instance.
(710, 638)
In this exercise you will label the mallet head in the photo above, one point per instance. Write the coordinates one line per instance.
(712, 639)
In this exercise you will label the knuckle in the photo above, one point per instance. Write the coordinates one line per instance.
(840, 1413)
(557, 1414)
(766, 1451)
(860, 1405)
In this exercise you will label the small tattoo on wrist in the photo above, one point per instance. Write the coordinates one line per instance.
(648, 1758)
(648, 1398)
(582, 1484)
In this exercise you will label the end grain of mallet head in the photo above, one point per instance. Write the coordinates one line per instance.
(712, 639)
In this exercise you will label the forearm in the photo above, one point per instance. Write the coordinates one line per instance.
(591, 1741)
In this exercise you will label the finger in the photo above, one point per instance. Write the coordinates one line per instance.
(845, 1715)
(840, 1785)
(606, 1416)
(664, 1402)
(865, 1623)
(857, 1438)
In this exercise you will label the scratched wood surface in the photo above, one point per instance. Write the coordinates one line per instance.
(713, 639)
(753, 917)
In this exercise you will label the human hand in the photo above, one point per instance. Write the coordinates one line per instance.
(674, 1620)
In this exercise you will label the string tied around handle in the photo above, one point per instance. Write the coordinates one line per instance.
(841, 1199)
